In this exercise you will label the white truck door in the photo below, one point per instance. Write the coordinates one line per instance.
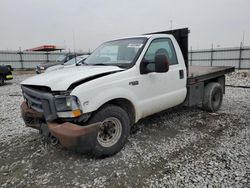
(159, 91)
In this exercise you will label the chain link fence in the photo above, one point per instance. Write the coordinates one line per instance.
(238, 57)
(27, 59)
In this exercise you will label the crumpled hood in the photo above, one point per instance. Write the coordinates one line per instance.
(60, 80)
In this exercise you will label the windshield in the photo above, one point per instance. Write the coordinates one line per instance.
(120, 53)
(60, 58)
(73, 60)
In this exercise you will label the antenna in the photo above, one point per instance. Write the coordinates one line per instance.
(243, 38)
(64, 44)
(74, 44)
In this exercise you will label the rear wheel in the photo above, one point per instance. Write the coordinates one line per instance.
(1, 80)
(213, 96)
(113, 131)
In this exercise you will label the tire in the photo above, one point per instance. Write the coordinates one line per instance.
(1, 80)
(213, 96)
(113, 132)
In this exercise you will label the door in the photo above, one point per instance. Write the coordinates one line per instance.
(159, 91)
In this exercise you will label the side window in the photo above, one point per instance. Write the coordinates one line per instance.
(160, 46)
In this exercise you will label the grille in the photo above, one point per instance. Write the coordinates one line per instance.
(33, 102)
(40, 101)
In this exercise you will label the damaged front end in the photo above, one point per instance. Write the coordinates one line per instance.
(42, 111)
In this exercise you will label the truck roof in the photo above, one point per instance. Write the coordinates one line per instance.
(143, 36)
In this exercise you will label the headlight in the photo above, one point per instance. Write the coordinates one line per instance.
(42, 68)
(67, 106)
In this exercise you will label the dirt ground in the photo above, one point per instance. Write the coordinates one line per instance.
(180, 147)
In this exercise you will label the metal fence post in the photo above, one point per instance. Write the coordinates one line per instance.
(47, 56)
(21, 58)
(240, 55)
(211, 60)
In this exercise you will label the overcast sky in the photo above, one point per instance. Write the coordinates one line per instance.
(31, 23)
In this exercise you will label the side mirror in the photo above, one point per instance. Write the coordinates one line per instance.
(144, 67)
(161, 63)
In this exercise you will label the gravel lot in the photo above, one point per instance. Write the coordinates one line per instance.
(181, 147)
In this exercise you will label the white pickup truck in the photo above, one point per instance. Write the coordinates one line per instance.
(90, 108)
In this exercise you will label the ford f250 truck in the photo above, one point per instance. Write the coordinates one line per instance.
(90, 108)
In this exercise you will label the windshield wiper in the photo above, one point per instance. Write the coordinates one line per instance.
(99, 64)
(105, 64)
(80, 63)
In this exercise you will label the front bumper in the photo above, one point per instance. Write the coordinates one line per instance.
(70, 136)
(31, 117)
(75, 137)
(9, 77)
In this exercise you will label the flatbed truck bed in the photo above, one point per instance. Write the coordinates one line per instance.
(203, 73)
(199, 77)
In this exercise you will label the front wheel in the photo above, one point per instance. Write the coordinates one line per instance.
(113, 131)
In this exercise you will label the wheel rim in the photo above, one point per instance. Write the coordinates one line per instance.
(216, 99)
(109, 132)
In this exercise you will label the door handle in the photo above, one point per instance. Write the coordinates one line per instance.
(181, 74)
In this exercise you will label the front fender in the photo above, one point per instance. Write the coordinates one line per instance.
(91, 101)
